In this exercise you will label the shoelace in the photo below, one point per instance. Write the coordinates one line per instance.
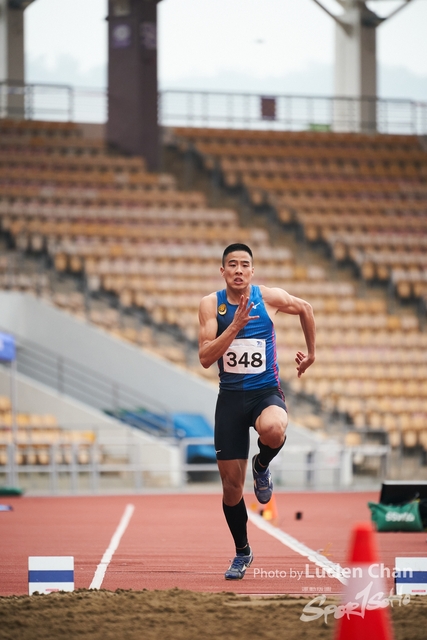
(263, 478)
(238, 562)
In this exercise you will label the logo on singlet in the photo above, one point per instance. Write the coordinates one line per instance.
(222, 309)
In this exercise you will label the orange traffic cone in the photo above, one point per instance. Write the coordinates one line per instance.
(269, 512)
(364, 610)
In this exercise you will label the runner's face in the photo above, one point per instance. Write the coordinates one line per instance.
(238, 270)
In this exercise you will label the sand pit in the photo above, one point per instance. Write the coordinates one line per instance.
(177, 614)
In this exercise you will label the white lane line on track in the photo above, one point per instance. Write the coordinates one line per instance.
(332, 569)
(112, 547)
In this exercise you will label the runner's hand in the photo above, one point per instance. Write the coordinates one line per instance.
(242, 317)
(303, 362)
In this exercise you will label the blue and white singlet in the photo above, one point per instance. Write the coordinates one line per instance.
(251, 360)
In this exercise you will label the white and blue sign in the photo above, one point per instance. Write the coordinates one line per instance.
(7, 347)
(50, 573)
(411, 576)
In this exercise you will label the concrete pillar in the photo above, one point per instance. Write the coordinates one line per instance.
(12, 67)
(356, 68)
(132, 125)
(356, 65)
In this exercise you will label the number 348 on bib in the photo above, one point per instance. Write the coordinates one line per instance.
(245, 356)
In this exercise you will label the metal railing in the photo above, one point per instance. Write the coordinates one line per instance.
(133, 468)
(292, 112)
(52, 102)
(222, 109)
(73, 467)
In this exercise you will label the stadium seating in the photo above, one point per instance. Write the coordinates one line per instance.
(336, 187)
(365, 197)
(134, 236)
(41, 440)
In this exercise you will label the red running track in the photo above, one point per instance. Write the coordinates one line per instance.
(182, 541)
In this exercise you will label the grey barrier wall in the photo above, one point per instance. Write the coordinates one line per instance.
(52, 340)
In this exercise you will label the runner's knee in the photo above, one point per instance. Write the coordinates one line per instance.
(232, 490)
(272, 433)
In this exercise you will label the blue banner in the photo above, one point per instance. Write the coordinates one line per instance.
(7, 347)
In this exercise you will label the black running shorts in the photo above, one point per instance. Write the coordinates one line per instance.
(236, 412)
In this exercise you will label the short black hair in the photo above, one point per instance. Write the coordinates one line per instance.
(237, 246)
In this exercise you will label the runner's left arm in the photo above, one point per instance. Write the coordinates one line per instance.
(280, 300)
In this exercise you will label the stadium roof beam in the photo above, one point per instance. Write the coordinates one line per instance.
(132, 125)
(356, 64)
(12, 67)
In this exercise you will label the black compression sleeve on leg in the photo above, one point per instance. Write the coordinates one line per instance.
(266, 453)
(237, 518)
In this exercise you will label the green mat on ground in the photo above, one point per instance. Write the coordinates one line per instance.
(10, 491)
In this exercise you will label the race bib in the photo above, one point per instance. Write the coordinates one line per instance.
(245, 356)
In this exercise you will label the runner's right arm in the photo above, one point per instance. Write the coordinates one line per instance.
(211, 347)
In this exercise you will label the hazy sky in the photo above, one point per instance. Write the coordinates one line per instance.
(204, 38)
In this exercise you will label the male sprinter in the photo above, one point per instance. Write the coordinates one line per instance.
(236, 329)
